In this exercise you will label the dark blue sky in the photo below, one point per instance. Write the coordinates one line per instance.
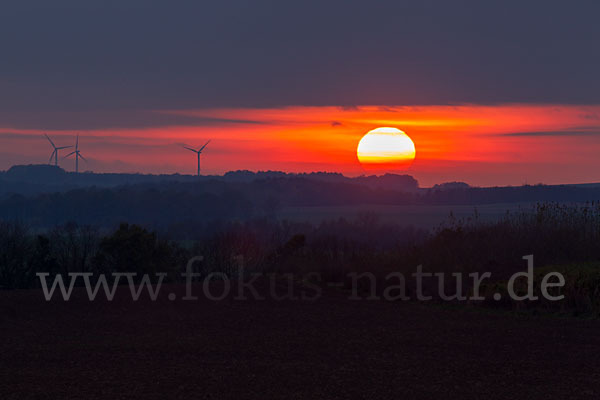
(72, 56)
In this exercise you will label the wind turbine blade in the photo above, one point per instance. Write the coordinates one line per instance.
(82, 157)
(63, 147)
(52, 156)
(70, 154)
(190, 149)
(50, 140)
(202, 148)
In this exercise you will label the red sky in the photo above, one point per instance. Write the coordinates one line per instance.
(481, 145)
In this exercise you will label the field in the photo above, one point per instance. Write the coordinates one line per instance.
(332, 348)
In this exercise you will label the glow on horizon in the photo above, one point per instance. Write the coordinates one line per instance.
(482, 145)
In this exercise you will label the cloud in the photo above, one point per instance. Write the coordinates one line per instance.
(592, 116)
(106, 119)
(555, 133)
(88, 56)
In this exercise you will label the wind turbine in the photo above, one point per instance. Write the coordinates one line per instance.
(198, 152)
(77, 155)
(55, 151)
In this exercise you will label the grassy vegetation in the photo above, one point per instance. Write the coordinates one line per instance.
(563, 238)
(422, 216)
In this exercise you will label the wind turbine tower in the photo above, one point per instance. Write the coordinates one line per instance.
(55, 151)
(198, 152)
(77, 155)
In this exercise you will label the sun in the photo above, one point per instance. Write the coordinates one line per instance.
(386, 149)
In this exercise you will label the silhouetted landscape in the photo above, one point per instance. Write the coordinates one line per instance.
(118, 223)
(149, 224)
(44, 196)
(334, 200)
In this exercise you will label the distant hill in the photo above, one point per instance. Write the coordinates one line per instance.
(44, 196)
(32, 179)
(451, 186)
(35, 173)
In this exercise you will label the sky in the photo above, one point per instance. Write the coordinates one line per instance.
(492, 93)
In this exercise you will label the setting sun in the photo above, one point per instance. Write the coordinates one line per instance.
(385, 147)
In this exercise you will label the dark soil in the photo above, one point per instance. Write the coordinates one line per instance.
(332, 348)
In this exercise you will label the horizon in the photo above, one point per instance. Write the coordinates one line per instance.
(503, 94)
(480, 145)
(258, 172)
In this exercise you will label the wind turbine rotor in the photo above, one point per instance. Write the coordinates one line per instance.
(202, 148)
